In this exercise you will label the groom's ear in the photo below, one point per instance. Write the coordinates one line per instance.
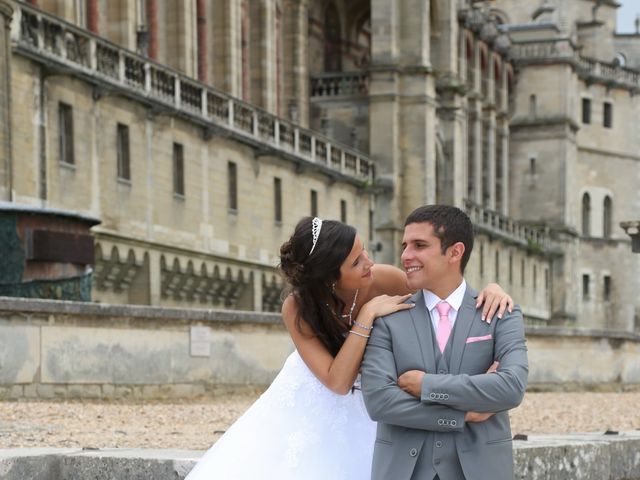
(455, 252)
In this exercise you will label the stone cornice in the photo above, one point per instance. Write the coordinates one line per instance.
(21, 306)
(541, 122)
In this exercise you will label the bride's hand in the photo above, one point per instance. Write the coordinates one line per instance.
(386, 304)
(494, 299)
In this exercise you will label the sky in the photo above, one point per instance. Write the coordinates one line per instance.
(627, 14)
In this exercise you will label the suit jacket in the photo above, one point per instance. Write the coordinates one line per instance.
(414, 434)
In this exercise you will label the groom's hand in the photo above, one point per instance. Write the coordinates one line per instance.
(411, 382)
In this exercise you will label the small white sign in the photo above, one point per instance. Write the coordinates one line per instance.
(200, 341)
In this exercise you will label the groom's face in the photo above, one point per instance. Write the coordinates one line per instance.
(422, 257)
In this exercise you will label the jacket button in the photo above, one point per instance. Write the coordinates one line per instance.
(438, 444)
(440, 421)
(413, 452)
(432, 396)
(454, 423)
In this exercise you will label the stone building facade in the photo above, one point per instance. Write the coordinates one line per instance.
(200, 131)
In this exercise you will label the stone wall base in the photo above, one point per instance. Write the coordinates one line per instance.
(540, 457)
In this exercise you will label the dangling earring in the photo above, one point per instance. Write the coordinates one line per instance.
(333, 287)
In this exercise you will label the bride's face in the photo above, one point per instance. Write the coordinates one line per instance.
(355, 271)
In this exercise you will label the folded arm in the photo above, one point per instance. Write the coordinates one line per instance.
(387, 403)
(490, 392)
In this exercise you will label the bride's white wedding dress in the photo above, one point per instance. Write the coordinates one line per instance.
(298, 429)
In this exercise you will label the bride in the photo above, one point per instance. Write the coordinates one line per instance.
(311, 423)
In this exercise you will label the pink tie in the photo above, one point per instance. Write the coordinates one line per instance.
(444, 325)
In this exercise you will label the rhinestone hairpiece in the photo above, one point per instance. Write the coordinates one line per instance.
(316, 225)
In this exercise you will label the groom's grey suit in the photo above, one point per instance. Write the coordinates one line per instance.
(419, 438)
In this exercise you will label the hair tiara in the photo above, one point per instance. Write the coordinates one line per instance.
(316, 225)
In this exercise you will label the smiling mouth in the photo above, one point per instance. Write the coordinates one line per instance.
(412, 269)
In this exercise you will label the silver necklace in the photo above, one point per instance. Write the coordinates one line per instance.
(353, 306)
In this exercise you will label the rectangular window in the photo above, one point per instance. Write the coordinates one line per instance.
(535, 277)
(585, 286)
(586, 111)
(522, 276)
(122, 140)
(482, 259)
(608, 115)
(314, 203)
(497, 266)
(277, 199)
(65, 120)
(606, 294)
(343, 211)
(178, 169)
(371, 229)
(232, 178)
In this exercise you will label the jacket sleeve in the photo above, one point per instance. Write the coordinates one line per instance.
(492, 392)
(388, 403)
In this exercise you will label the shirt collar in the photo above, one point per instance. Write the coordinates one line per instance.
(455, 299)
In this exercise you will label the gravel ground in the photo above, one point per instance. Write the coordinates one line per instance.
(196, 424)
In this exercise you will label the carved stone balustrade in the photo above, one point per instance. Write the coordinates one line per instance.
(53, 42)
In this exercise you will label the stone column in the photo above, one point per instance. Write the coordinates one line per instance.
(262, 54)
(403, 115)
(476, 106)
(504, 161)
(383, 124)
(6, 184)
(295, 70)
(490, 164)
(226, 46)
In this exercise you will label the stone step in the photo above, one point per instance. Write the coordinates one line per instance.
(590, 456)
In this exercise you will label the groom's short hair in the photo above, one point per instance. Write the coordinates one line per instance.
(450, 225)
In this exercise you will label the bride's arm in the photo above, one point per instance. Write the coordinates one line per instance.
(393, 281)
(338, 373)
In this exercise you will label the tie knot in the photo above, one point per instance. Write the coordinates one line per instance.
(443, 309)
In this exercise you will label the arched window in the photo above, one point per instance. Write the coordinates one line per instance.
(607, 212)
(332, 47)
(586, 215)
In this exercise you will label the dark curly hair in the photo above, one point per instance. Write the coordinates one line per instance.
(311, 277)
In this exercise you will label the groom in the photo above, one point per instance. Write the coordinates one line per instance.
(428, 375)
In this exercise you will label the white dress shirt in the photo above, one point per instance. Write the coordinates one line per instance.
(455, 300)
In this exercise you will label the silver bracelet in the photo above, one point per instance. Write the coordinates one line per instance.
(359, 334)
(364, 327)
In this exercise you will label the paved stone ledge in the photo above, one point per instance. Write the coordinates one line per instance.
(541, 457)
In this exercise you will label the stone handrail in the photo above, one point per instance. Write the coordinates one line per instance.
(337, 84)
(506, 227)
(47, 38)
(586, 67)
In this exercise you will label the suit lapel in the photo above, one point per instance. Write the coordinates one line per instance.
(464, 320)
(422, 325)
